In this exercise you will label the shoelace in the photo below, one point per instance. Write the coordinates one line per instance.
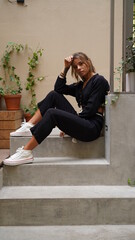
(22, 124)
(19, 149)
(17, 152)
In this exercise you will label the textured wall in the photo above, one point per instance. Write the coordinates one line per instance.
(61, 27)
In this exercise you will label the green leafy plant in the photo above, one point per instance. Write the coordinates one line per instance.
(131, 183)
(117, 78)
(1, 91)
(30, 109)
(126, 65)
(130, 53)
(11, 81)
(32, 80)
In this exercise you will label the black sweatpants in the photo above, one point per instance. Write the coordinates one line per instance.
(57, 111)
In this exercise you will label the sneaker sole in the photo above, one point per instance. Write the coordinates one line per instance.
(21, 134)
(17, 162)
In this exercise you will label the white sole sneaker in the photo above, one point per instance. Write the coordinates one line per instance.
(23, 131)
(17, 162)
(20, 157)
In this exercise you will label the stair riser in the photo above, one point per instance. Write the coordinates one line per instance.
(62, 147)
(38, 212)
(53, 175)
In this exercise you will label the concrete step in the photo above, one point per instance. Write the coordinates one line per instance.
(4, 153)
(1, 178)
(56, 146)
(102, 232)
(61, 171)
(76, 205)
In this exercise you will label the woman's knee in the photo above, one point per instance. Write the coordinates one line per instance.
(50, 116)
(50, 111)
(53, 93)
(48, 102)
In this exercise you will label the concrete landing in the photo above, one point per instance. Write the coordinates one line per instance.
(102, 232)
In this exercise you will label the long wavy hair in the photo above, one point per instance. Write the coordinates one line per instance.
(85, 59)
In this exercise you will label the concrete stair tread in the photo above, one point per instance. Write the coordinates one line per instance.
(57, 146)
(60, 171)
(69, 161)
(102, 232)
(62, 147)
(67, 205)
(74, 192)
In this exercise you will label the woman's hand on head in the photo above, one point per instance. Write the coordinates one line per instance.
(68, 61)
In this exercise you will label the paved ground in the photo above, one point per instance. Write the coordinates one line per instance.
(4, 153)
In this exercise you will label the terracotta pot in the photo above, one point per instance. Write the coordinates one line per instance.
(13, 101)
(27, 116)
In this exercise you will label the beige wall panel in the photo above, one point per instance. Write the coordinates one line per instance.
(61, 27)
(118, 36)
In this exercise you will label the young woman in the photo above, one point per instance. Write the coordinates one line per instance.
(55, 110)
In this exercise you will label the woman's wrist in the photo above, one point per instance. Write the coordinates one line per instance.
(64, 72)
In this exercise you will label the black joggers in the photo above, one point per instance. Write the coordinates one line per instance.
(57, 111)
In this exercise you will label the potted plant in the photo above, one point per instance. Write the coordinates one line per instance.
(32, 80)
(11, 81)
(127, 65)
(130, 63)
(1, 93)
(1, 89)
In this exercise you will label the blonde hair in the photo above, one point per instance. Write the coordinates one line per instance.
(85, 59)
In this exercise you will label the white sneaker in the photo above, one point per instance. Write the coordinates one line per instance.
(23, 131)
(20, 157)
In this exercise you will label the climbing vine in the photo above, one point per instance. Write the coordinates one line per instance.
(11, 82)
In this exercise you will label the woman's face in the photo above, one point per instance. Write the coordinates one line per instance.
(81, 68)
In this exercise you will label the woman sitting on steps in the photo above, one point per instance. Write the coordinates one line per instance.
(55, 110)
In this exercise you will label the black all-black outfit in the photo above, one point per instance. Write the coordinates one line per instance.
(57, 111)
